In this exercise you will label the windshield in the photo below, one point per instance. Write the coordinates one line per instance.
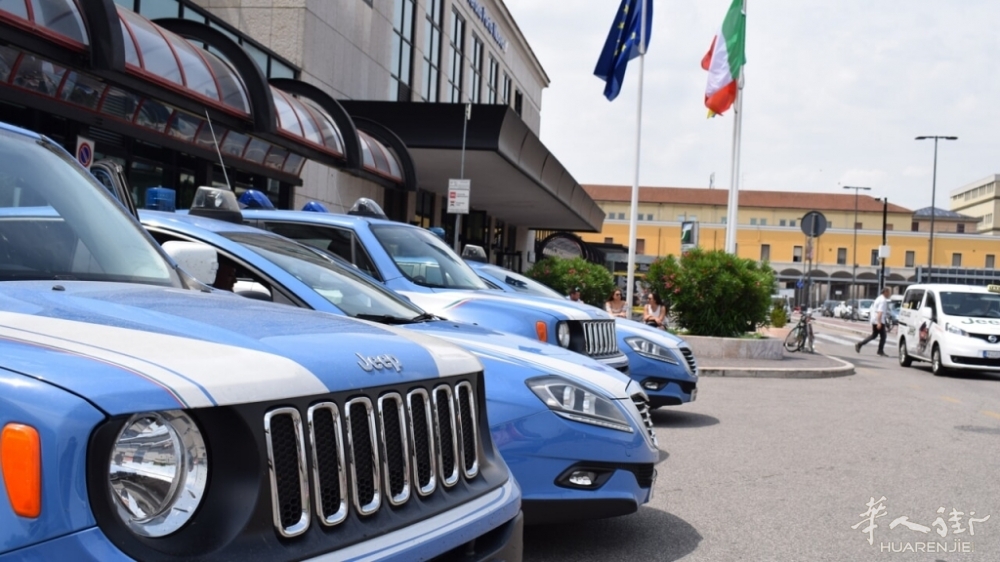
(424, 259)
(520, 283)
(341, 285)
(57, 222)
(974, 305)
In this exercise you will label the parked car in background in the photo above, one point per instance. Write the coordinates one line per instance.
(144, 416)
(576, 434)
(843, 310)
(661, 362)
(864, 308)
(828, 307)
(415, 263)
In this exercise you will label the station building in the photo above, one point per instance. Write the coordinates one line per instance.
(770, 230)
(304, 101)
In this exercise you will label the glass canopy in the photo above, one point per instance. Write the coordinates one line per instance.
(61, 18)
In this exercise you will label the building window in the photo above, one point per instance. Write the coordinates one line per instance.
(432, 51)
(911, 257)
(649, 217)
(791, 223)
(492, 72)
(841, 256)
(765, 252)
(990, 261)
(960, 227)
(914, 226)
(621, 216)
(457, 70)
(425, 208)
(956, 260)
(782, 222)
(753, 222)
(505, 93)
(888, 226)
(797, 254)
(518, 101)
(476, 84)
(640, 246)
(875, 257)
(724, 219)
(609, 240)
(402, 50)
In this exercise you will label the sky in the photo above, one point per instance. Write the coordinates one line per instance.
(835, 93)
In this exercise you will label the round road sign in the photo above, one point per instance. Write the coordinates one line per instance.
(814, 223)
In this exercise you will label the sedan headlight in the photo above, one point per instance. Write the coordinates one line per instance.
(562, 334)
(158, 472)
(576, 402)
(652, 350)
(955, 329)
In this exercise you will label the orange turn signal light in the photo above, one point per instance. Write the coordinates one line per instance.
(542, 330)
(21, 468)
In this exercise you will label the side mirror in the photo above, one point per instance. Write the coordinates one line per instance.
(927, 313)
(201, 261)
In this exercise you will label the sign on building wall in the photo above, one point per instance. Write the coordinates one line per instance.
(458, 196)
(689, 236)
(490, 25)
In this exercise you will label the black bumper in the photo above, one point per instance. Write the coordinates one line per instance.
(538, 512)
(503, 544)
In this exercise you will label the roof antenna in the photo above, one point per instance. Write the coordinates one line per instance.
(215, 142)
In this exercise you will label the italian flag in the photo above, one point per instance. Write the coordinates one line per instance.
(725, 59)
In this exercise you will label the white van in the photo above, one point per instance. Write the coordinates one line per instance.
(952, 326)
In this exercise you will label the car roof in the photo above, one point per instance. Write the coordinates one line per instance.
(18, 130)
(338, 219)
(205, 223)
(949, 287)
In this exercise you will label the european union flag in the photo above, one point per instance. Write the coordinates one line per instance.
(623, 44)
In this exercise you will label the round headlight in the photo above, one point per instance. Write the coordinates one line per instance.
(562, 333)
(158, 472)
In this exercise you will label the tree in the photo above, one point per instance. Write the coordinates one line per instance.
(712, 293)
(561, 274)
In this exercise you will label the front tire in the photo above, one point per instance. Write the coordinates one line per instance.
(793, 341)
(904, 358)
(937, 367)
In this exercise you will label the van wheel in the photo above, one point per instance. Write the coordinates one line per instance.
(904, 358)
(937, 368)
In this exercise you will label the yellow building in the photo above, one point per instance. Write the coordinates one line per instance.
(981, 200)
(770, 229)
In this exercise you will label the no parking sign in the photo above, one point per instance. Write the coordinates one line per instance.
(84, 151)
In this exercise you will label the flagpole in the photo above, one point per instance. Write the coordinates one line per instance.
(732, 212)
(635, 182)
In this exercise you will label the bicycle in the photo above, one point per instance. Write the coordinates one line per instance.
(801, 337)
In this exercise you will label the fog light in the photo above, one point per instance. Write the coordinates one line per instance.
(583, 478)
(653, 384)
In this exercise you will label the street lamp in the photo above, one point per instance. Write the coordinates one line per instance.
(854, 269)
(885, 216)
(930, 248)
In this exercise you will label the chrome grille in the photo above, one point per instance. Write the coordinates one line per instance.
(642, 404)
(689, 357)
(364, 449)
(286, 455)
(600, 338)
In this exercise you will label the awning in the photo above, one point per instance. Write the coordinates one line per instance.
(514, 176)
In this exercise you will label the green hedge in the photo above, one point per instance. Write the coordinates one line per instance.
(594, 280)
(713, 293)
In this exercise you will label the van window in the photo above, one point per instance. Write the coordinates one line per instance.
(975, 305)
(931, 303)
(911, 301)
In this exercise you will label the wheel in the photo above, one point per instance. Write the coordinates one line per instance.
(904, 358)
(793, 341)
(937, 368)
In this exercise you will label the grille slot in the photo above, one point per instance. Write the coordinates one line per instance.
(329, 475)
(600, 337)
(689, 357)
(364, 457)
(286, 460)
(422, 440)
(466, 406)
(445, 433)
(395, 448)
(642, 404)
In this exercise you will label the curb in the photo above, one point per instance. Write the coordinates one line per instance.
(844, 369)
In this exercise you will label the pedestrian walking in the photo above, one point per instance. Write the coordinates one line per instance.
(878, 315)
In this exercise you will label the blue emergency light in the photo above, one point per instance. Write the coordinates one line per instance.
(253, 199)
(161, 199)
(316, 207)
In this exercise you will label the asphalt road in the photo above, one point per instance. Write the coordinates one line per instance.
(777, 469)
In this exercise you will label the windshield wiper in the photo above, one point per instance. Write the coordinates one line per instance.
(425, 317)
(384, 318)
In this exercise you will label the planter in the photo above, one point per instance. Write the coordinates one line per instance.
(735, 348)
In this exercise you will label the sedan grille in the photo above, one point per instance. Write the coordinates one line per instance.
(362, 451)
(689, 357)
(600, 338)
(642, 404)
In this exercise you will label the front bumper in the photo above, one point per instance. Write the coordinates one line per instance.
(541, 450)
(666, 384)
(490, 525)
(965, 352)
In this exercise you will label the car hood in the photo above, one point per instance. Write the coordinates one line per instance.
(627, 328)
(132, 348)
(976, 325)
(538, 356)
(441, 302)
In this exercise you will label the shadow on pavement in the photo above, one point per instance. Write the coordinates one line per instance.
(649, 534)
(680, 419)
